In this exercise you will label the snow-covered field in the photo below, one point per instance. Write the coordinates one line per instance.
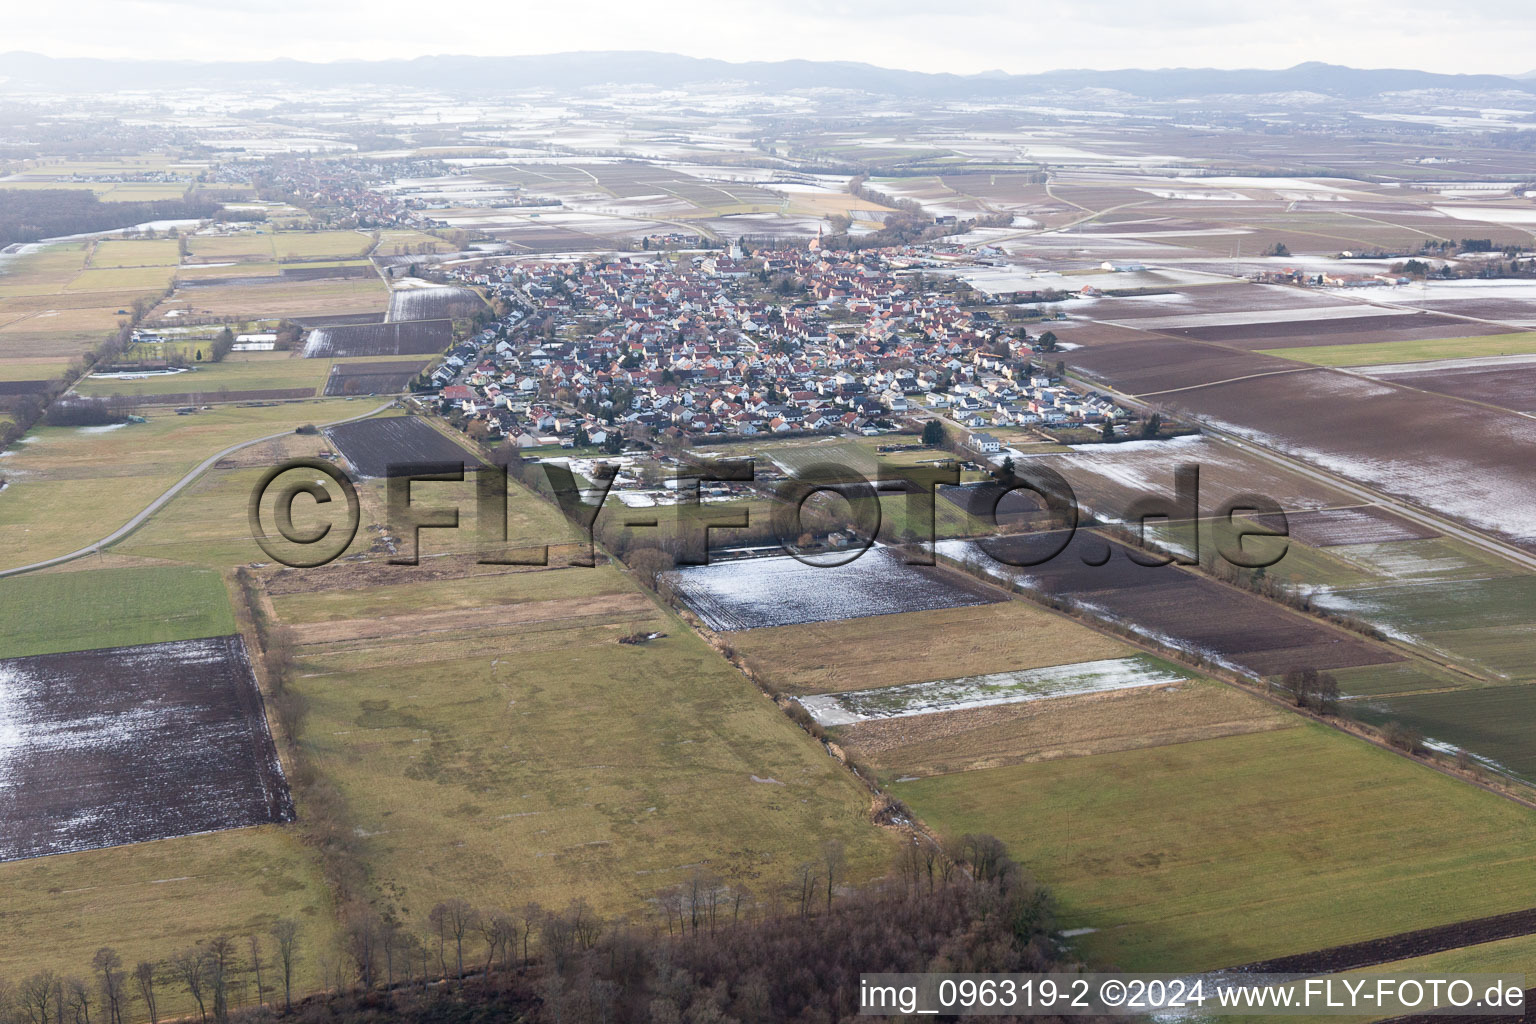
(781, 591)
(128, 744)
(986, 690)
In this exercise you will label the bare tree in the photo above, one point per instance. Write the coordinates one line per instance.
(40, 996)
(191, 966)
(144, 975)
(531, 914)
(255, 942)
(496, 929)
(221, 967)
(390, 936)
(79, 1000)
(113, 981)
(454, 918)
(804, 885)
(832, 860)
(362, 931)
(285, 932)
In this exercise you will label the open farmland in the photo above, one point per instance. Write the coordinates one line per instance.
(1073, 726)
(1481, 619)
(237, 372)
(56, 612)
(911, 647)
(1214, 852)
(160, 898)
(988, 690)
(1492, 723)
(1181, 609)
(1460, 460)
(374, 447)
(1505, 381)
(1322, 339)
(479, 749)
(127, 744)
(415, 337)
(1363, 524)
(372, 378)
(432, 304)
(274, 297)
(781, 591)
(1403, 350)
(1109, 479)
(72, 486)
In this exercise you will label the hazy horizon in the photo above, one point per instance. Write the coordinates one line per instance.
(1492, 38)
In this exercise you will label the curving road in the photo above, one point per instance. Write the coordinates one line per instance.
(176, 488)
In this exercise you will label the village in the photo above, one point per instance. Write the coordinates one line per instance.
(725, 345)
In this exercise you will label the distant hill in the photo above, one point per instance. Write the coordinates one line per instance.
(576, 70)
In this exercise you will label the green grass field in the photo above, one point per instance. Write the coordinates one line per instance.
(1217, 852)
(71, 486)
(1493, 721)
(89, 608)
(1377, 353)
(158, 252)
(1483, 623)
(240, 371)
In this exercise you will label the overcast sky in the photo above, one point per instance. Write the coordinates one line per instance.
(926, 35)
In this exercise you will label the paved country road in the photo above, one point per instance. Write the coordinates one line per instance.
(176, 488)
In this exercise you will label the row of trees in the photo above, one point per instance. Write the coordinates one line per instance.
(724, 954)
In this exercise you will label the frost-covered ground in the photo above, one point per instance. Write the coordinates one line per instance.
(1262, 316)
(986, 690)
(783, 591)
(128, 744)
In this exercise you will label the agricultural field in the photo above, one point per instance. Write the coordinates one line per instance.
(413, 337)
(153, 900)
(1169, 605)
(129, 744)
(56, 612)
(1491, 723)
(434, 304)
(1508, 382)
(238, 372)
(276, 297)
(1404, 351)
(159, 252)
(1360, 524)
(909, 647)
(1222, 851)
(1450, 457)
(1072, 726)
(284, 246)
(54, 305)
(996, 688)
(782, 591)
(486, 760)
(72, 486)
(1322, 339)
(372, 378)
(373, 448)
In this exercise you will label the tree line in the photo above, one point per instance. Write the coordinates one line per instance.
(722, 956)
(27, 215)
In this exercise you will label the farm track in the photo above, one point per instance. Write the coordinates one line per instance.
(1402, 946)
(175, 489)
